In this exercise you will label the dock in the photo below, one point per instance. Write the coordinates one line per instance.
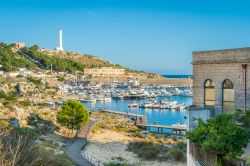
(161, 127)
(141, 121)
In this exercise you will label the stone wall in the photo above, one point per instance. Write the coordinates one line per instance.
(218, 66)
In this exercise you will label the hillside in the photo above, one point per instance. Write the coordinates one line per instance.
(34, 58)
(88, 61)
(45, 61)
(10, 60)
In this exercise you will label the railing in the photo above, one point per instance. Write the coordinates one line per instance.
(209, 158)
(203, 157)
(88, 156)
(92, 159)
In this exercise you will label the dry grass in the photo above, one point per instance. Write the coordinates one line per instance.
(114, 122)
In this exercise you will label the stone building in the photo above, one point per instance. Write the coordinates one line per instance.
(20, 45)
(221, 84)
(104, 71)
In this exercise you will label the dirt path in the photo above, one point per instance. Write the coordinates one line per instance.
(74, 149)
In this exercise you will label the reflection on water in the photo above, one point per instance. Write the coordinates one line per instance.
(164, 117)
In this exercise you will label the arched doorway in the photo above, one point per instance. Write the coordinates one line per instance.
(209, 93)
(228, 97)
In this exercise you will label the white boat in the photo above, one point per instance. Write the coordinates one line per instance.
(107, 99)
(146, 105)
(90, 99)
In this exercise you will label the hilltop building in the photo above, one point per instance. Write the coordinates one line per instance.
(60, 48)
(20, 45)
(104, 71)
(221, 84)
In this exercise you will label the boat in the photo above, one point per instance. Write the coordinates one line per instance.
(107, 99)
(133, 105)
(146, 105)
(89, 99)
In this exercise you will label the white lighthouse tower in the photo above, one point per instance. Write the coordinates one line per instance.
(60, 41)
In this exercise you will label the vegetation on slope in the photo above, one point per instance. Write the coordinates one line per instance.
(19, 147)
(33, 58)
(89, 61)
(11, 61)
(57, 64)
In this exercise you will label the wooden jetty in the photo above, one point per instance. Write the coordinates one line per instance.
(176, 129)
(141, 121)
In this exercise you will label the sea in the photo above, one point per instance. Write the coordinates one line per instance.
(178, 76)
(154, 116)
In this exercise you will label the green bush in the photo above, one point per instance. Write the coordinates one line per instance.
(11, 61)
(34, 80)
(24, 103)
(248, 160)
(221, 135)
(242, 117)
(145, 150)
(60, 78)
(177, 154)
(151, 151)
(57, 63)
(9, 97)
(116, 164)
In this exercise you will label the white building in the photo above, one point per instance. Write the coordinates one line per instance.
(60, 48)
(104, 71)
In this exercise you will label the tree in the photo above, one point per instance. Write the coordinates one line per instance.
(72, 115)
(221, 135)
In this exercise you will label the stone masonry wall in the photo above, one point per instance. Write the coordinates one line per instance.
(218, 66)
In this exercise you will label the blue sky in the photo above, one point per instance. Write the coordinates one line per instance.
(152, 35)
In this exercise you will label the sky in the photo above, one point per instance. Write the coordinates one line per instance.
(156, 36)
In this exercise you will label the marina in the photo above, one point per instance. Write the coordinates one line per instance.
(155, 116)
(141, 121)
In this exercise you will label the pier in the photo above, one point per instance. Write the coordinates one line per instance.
(141, 121)
(177, 130)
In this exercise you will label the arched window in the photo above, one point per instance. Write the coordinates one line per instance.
(228, 97)
(209, 93)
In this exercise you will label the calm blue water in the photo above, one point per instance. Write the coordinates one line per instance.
(164, 117)
(177, 76)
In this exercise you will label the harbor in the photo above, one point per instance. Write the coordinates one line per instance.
(166, 117)
(141, 121)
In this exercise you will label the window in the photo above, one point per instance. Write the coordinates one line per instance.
(209, 96)
(228, 97)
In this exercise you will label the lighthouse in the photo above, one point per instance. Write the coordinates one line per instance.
(60, 48)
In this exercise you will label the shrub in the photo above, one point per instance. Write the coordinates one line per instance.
(137, 134)
(145, 150)
(9, 97)
(116, 164)
(177, 154)
(248, 160)
(242, 117)
(34, 80)
(24, 103)
(60, 78)
(221, 135)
